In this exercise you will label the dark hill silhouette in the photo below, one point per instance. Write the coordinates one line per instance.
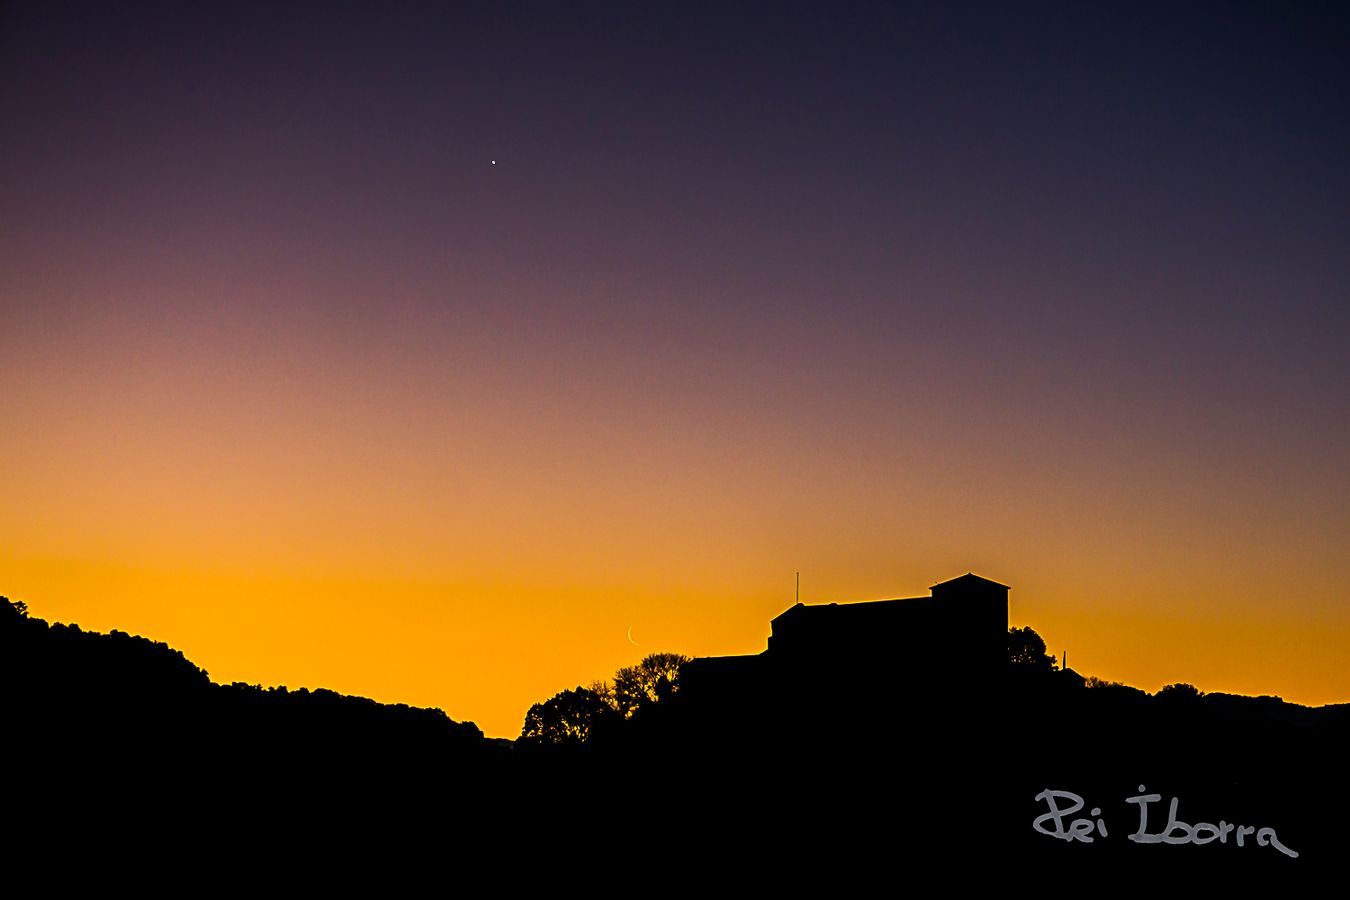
(119, 728)
(781, 767)
(67, 680)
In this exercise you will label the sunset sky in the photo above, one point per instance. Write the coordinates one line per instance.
(294, 378)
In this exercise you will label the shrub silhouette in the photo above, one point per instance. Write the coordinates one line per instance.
(568, 719)
(1181, 692)
(653, 679)
(1026, 650)
(573, 718)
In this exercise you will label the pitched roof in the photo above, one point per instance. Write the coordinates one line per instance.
(970, 578)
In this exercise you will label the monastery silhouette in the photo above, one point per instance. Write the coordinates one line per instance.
(953, 638)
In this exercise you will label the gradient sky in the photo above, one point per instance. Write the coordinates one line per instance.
(293, 378)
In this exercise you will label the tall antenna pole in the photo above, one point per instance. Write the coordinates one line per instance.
(799, 588)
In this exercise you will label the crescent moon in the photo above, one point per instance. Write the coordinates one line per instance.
(630, 636)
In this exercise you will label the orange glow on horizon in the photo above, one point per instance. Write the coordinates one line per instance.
(461, 533)
(483, 625)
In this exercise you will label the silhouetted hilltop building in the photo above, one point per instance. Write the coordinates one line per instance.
(955, 637)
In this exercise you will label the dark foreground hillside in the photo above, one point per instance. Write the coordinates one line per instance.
(116, 742)
(124, 729)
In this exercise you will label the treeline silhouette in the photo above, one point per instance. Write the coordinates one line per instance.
(863, 777)
(575, 718)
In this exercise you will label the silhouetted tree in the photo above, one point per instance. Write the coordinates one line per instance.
(15, 608)
(567, 719)
(1181, 692)
(1027, 649)
(653, 679)
(605, 691)
(1092, 682)
(1114, 692)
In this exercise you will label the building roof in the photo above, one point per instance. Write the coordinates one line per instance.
(970, 578)
(818, 609)
(966, 581)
